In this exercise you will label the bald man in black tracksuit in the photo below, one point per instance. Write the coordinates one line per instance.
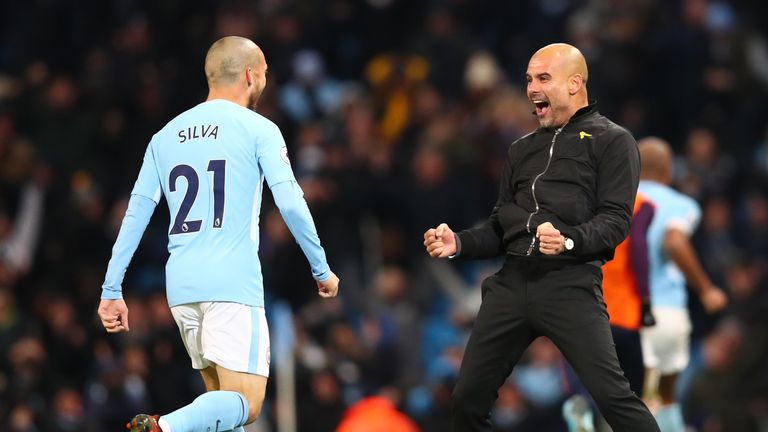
(565, 202)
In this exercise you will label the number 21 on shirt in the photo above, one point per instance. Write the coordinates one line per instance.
(180, 224)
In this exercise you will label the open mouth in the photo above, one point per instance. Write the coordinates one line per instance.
(542, 107)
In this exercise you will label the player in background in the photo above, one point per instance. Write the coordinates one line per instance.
(673, 263)
(210, 163)
(627, 295)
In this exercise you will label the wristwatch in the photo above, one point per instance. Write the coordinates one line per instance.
(568, 243)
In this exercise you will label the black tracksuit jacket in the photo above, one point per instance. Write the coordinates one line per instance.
(581, 177)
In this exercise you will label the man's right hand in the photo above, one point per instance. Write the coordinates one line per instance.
(440, 242)
(329, 287)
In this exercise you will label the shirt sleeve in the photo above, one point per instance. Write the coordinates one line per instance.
(148, 183)
(687, 219)
(638, 248)
(136, 218)
(272, 155)
(289, 199)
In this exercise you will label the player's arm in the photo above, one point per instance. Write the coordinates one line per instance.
(112, 309)
(482, 241)
(638, 258)
(273, 159)
(134, 223)
(679, 248)
(289, 199)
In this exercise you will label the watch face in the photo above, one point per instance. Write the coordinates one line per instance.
(568, 244)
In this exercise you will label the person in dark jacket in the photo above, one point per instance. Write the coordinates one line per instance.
(565, 202)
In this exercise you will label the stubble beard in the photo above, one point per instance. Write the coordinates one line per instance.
(253, 101)
(550, 121)
(547, 122)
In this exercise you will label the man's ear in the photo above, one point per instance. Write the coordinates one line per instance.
(575, 82)
(249, 76)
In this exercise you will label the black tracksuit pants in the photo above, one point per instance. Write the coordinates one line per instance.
(535, 297)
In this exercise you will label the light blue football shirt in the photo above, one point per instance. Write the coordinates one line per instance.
(673, 211)
(210, 163)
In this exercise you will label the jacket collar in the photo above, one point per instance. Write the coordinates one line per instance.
(584, 111)
(578, 115)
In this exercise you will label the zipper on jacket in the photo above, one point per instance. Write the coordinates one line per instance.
(533, 191)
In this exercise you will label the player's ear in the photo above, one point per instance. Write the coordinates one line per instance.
(249, 76)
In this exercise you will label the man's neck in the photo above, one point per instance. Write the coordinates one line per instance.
(228, 94)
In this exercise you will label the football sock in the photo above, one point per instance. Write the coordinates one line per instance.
(164, 426)
(670, 418)
(215, 411)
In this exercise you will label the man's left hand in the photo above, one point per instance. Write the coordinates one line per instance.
(328, 288)
(551, 242)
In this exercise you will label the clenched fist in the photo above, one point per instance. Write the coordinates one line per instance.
(440, 242)
(551, 242)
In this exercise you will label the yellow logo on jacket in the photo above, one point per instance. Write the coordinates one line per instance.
(583, 134)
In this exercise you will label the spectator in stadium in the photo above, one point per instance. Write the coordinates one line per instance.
(704, 170)
(673, 263)
(716, 397)
(214, 280)
(557, 219)
(310, 95)
(22, 198)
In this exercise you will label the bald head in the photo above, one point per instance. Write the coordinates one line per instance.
(655, 159)
(228, 58)
(557, 83)
(565, 57)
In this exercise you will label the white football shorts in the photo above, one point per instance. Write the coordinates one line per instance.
(231, 335)
(666, 346)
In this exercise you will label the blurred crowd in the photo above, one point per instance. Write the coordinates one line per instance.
(397, 116)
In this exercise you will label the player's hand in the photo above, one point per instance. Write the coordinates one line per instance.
(551, 242)
(114, 315)
(440, 242)
(329, 287)
(713, 299)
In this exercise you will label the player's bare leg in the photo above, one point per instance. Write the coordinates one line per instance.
(667, 385)
(210, 378)
(253, 387)
(211, 381)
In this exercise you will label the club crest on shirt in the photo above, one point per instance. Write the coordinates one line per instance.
(284, 155)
